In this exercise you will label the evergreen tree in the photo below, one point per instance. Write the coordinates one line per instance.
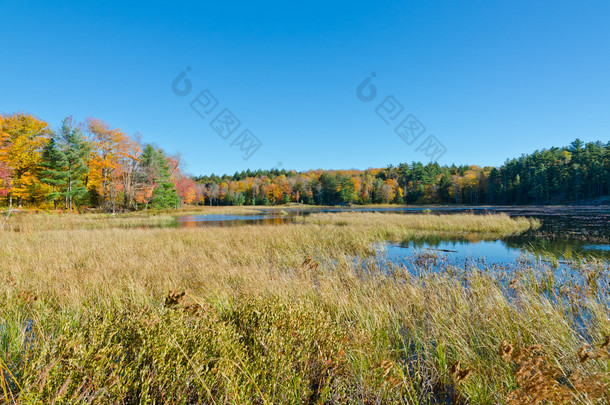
(164, 194)
(53, 161)
(75, 149)
(347, 191)
(330, 185)
(444, 188)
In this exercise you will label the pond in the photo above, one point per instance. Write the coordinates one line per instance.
(567, 232)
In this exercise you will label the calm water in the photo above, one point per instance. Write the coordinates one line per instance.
(481, 254)
(566, 233)
(228, 220)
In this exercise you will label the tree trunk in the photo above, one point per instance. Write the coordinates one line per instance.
(70, 190)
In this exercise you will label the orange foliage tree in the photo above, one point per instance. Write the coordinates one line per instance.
(112, 164)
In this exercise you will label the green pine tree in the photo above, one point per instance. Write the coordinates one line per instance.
(444, 188)
(154, 162)
(54, 174)
(76, 149)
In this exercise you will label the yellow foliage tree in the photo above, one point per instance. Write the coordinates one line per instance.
(22, 137)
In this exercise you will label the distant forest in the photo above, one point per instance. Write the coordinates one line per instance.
(578, 172)
(90, 164)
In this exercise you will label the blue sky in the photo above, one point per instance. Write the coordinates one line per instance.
(489, 79)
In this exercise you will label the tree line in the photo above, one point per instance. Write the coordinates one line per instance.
(90, 164)
(549, 176)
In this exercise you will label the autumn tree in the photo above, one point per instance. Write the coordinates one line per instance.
(23, 137)
(186, 189)
(5, 170)
(129, 160)
(5, 180)
(102, 160)
(111, 163)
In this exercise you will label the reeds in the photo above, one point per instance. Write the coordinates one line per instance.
(283, 314)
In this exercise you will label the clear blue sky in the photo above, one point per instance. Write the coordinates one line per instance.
(490, 79)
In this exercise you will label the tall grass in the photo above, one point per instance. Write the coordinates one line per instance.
(283, 314)
(32, 220)
(391, 226)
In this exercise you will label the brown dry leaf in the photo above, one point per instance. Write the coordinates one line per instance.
(310, 263)
(603, 353)
(584, 354)
(458, 373)
(174, 298)
(506, 350)
(27, 296)
(539, 381)
(193, 308)
(387, 367)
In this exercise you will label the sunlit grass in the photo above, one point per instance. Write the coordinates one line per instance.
(279, 314)
(26, 221)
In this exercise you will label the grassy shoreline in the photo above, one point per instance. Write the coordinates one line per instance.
(284, 315)
(37, 221)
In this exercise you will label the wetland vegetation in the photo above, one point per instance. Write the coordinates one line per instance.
(118, 309)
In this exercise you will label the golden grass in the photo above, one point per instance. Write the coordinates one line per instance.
(26, 221)
(281, 314)
(391, 226)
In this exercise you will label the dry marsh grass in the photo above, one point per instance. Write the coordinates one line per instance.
(32, 221)
(283, 314)
(399, 226)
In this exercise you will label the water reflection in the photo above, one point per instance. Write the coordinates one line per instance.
(227, 220)
(457, 252)
(454, 251)
(504, 250)
(567, 233)
(561, 248)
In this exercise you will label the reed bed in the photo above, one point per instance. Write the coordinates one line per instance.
(395, 227)
(32, 221)
(289, 314)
